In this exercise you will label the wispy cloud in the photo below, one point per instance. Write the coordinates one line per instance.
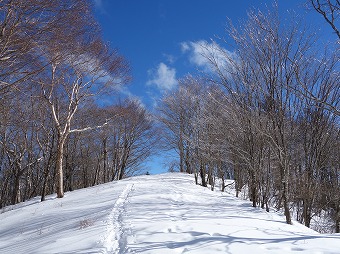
(185, 46)
(163, 77)
(205, 54)
(99, 5)
(119, 92)
(169, 58)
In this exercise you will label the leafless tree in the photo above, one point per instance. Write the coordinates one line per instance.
(20, 128)
(80, 66)
(330, 11)
(25, 26)
(260, 80)
(176, 111)
(272, 75)
(273, 121)
(132, 138)
(191, 116)
(113, 152)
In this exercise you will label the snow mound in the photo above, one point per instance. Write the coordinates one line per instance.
(164, 213)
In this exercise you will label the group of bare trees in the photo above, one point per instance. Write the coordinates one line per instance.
(329, 10)
(268, 117)
(54, 133)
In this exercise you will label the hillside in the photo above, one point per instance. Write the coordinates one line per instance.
(164, 213)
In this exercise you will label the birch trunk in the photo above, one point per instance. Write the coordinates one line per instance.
(59, 167)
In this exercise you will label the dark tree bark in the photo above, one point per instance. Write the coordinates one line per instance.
(330, 11)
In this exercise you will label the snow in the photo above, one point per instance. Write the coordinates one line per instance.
(164, 213)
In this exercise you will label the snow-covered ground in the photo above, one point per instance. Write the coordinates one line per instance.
(164, 213)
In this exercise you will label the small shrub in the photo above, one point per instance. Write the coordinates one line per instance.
(85, 223)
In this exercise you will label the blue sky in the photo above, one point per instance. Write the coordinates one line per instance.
(160, 39)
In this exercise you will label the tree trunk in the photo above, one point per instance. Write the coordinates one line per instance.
(16, 190)
(253, 189)
(337, 220)
(210, 176)
(44, 187)
(47, 170)
(105, 158)
(307, 217)
(202, 174)
(3, 196)
(59, 168)
(187, 162)
(181, 156)
(222, 177)
(196, 177)
(263, 201)
(285, 196)
(96, 174)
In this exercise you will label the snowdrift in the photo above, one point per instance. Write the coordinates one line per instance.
(164, 213)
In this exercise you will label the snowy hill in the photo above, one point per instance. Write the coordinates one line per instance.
(164, 213)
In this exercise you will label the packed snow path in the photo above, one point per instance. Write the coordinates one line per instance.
(115, 241)
(153, 214)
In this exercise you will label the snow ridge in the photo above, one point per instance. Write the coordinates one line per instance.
(115, 241)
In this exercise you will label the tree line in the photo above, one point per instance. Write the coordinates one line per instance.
(55, 134)
(267, 116)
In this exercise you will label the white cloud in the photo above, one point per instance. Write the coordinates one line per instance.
(199, 53)
(185, 47)
(169, 58)
(164, 77)
(138, 100)
(203, 54)
(123, 92)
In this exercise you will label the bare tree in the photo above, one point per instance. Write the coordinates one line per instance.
(20, 128)
(273, 121)
(176, 112)
(260, 80)
(81, 66)
(113, 152)
(25, 26)
(132, 138)
(191, 117)
(272, 75)
(330, 11)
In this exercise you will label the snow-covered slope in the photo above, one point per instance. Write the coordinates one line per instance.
(164, 213)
